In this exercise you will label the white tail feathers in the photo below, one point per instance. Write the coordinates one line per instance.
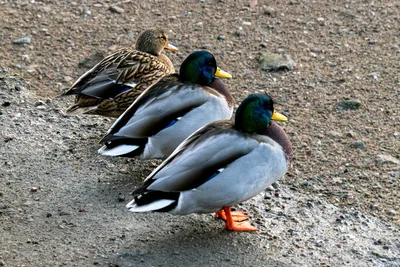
(156, 205)
(117, 151)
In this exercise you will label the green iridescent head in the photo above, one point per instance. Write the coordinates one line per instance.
(200, 67)
(255, 113)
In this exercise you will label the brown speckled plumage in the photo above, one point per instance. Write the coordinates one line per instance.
(143, 66)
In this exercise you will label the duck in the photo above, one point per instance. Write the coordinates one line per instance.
(171, 110)
(221, 165)
(112, 85)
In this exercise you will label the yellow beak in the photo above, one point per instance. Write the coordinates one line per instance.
(222, 74)
(171, 47)
(278, 117)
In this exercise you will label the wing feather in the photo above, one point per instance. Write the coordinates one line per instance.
(155, 108)
(200, 156)
(121, 67)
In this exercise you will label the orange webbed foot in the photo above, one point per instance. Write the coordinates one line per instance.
(232, 225)
(237, 215)
(240, 226)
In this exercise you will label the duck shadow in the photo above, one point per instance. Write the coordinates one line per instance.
(194, 243)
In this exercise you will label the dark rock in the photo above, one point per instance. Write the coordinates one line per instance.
(358, 144)
(121, 198)
(349, 105)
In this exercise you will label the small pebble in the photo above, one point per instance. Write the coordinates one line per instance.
(372, 42)
(321, 21)
(121, 198)
(48, 215)
(116, 9)
(392, 212)
(6, 104)
(39, 103)
(349, 105)
(374, 75)
(81, 210)
(23, 40)
(220, 38)
(395, 47)
(270, 11)
(270, 188)
(334, 134)
(238, 33)
(26, 58)
(34, 189)
(350, 134)
(294, 219)
(358, 144)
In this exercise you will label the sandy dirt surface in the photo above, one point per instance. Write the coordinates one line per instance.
(61, 204)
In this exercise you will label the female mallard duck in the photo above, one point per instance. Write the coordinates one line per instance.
(111, 86)
(220, 165)
(171, 110)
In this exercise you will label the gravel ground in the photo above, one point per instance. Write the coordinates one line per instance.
(62, 204)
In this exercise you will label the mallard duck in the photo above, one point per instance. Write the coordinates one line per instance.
(220, 165)
(111, 86)
(171, 110)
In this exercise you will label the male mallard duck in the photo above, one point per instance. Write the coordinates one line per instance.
(171, 110)
(111, 86)
(220, 165)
